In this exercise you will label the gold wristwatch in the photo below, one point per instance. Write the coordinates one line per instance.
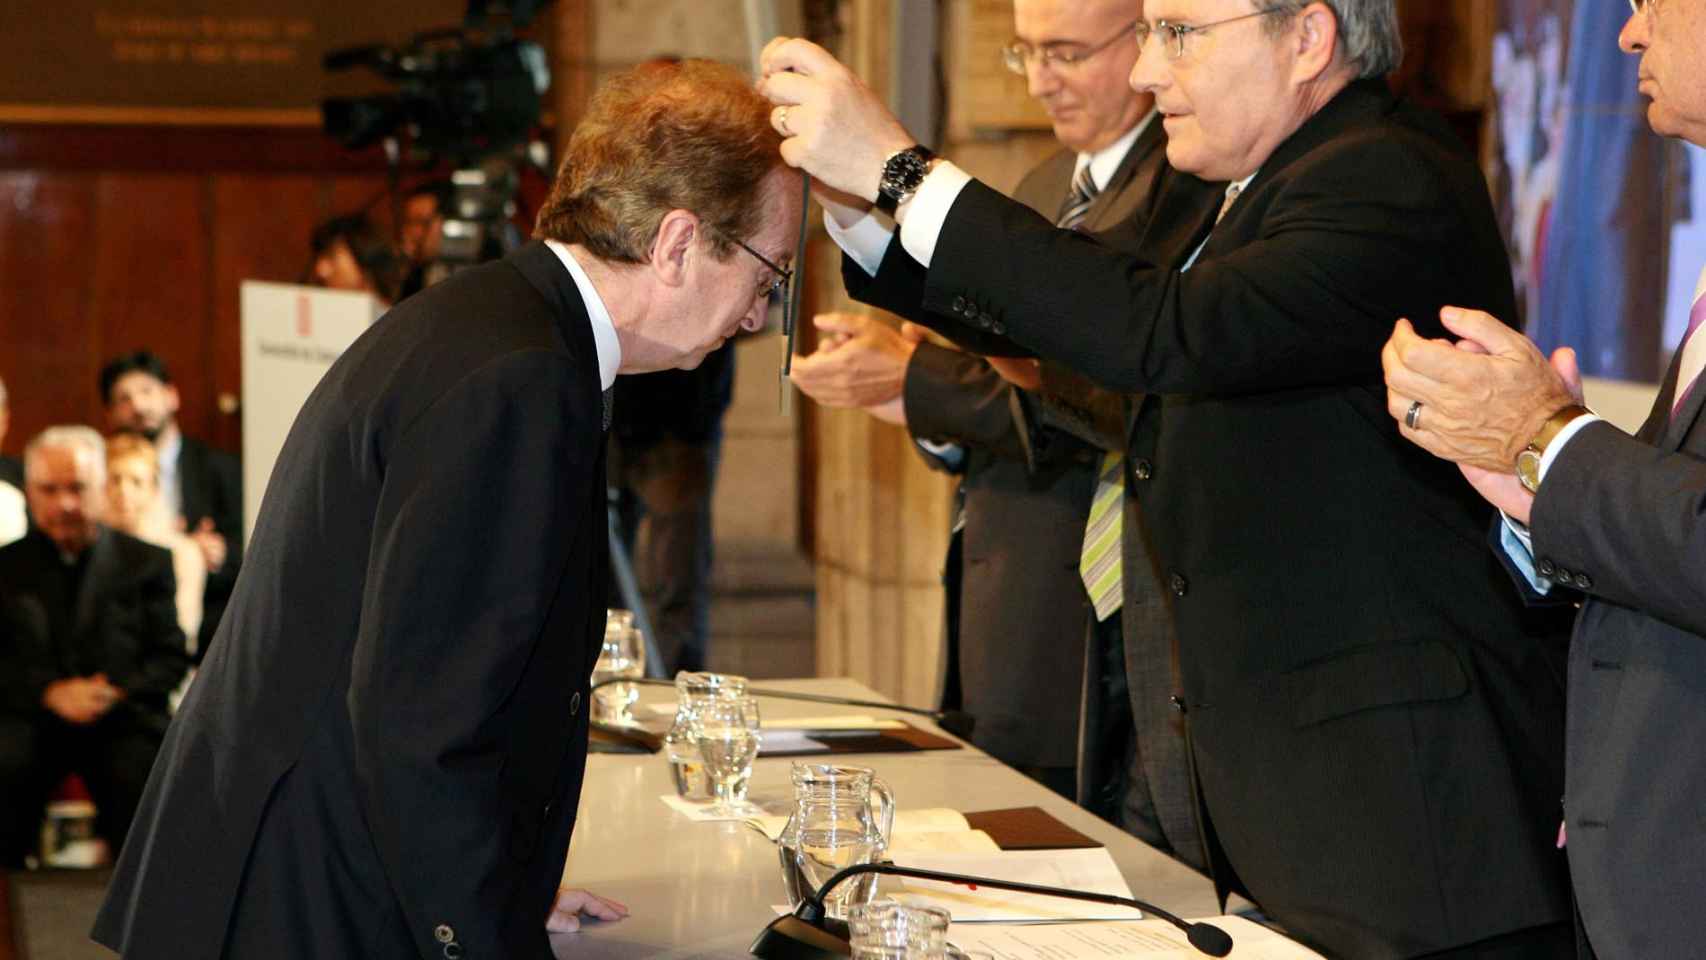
(1528, 461)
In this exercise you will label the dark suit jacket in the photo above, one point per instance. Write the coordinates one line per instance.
(1619, 518)
(1023, 611)
(213, 489)
(1375, 726)
(404, 665)
(12, 471)
(123, 622)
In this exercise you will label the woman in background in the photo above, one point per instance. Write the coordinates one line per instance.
(135, 506)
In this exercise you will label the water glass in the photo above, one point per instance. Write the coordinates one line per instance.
(727, 731)
(686, 769)
(886, 930)
(623, 656)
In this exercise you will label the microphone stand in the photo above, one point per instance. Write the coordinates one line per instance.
(955, 722)
(810, 934)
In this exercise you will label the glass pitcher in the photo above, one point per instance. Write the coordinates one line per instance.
(679, 747)
(836, 823)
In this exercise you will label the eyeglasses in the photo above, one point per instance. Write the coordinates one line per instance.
(774, 287)
(1060, 55)
(1173, 34)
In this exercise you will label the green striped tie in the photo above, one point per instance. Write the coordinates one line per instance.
(1099, 563)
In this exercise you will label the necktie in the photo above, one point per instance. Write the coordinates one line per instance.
(1078, 200)
(1693, 353)
(1232, 193)
(1099, 560)
(609, 403)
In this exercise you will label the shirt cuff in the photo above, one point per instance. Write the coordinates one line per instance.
(863, 235)
(928, 210)
(1563, 436)
(951, 454)
(1518, 544)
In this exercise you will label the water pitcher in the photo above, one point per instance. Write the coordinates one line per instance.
(843, 815)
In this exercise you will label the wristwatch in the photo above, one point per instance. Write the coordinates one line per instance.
(1528, 461)
(902, 173)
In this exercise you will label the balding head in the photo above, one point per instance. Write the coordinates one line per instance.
(1078, 56)
(64, 483)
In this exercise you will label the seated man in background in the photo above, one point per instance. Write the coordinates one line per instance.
(89, 648)
(202, 487)
(382, 754)
(351, 254)
(13, 518)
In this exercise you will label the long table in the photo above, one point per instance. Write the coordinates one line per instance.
(705, 889)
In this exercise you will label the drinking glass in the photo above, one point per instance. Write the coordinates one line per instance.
(727, 731)
(622, 656)
(686, 769)
(886, 930)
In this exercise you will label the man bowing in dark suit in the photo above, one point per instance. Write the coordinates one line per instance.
(382, 754)
(1373, 718)
(1613, 522)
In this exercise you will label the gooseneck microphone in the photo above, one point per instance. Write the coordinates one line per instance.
(956, 722)
(810, 934)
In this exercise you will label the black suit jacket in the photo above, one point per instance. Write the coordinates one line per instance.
(12, 471)
(1022, 608)
(1375, 724)
(213, 490)
(123, 622)
(385, 743)
(1618, 519)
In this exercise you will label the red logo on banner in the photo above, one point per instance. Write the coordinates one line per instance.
(304, 317)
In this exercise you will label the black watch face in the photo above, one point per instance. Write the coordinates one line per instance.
(904, 172)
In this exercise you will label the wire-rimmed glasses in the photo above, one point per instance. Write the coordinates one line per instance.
(1018, 53)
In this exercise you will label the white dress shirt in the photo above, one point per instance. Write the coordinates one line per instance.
(604, 340)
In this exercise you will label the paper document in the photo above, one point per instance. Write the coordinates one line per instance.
(1091, 871)
(907, 846)
(756, 818)
(667, 710)
(1100, 941)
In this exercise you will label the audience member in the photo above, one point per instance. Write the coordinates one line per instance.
(421, 233)
(1375, 721)
(89, 647)
(14, 518)
(1014, 571)
(202, 487)
(11, 468)
(135, 506)
(1611, 523)
(351, 254)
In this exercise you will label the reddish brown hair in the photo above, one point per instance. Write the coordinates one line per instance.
(692, 135)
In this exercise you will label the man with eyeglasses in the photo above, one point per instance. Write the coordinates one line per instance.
(1375, 721)
(1028, 460)
(1597, 518)
(382, 754)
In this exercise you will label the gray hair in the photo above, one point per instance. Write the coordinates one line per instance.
(74, 437)
(1368, 31)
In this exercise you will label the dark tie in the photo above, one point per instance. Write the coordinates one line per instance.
(607, 405)
(1078, 200)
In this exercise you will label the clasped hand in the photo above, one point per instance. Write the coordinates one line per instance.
(81, 700)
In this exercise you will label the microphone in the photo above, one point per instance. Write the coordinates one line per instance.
(957, 722)
(810, 934)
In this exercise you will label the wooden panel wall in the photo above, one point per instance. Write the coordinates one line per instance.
(114, 238)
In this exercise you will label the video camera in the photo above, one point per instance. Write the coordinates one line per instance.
(462, 93)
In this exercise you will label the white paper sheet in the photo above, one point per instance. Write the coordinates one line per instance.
(1091, 870)
(667, 710)
(1100, 941)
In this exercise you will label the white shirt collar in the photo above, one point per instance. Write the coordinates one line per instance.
(603, 329)
(1105, 161)
(167, 450)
